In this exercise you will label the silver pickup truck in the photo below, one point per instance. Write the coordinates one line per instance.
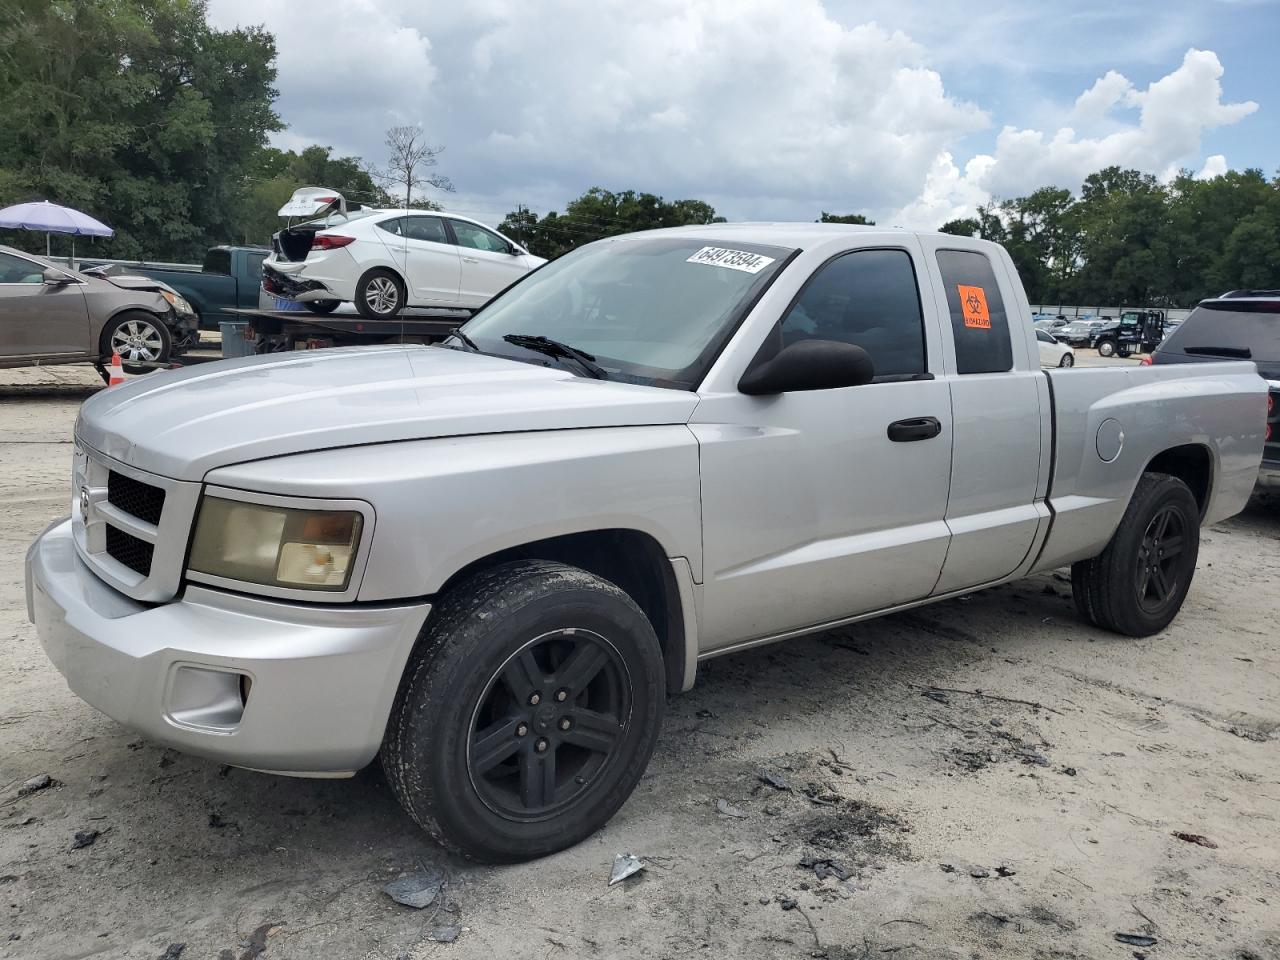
(491, 560)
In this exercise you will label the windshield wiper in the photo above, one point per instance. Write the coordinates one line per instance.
(1243, 353)
(556, 349)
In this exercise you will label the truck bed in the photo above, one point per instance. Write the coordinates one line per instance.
(1217, 409)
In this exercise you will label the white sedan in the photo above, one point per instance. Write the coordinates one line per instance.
(385, 260)
(1053, 352)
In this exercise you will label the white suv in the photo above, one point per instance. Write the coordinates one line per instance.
(385, 260)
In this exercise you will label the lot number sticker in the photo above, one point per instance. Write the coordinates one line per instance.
(973, 303)
(733, 259)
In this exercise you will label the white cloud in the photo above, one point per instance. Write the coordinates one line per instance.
(765, 108)
(1214, 166)
(1174, 113)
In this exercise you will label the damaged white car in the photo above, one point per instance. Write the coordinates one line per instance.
(385, 260)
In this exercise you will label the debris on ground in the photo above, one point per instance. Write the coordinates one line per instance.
(257, 942)
(217, 823)
(947, 868)
(979, 873)
(787, 903)
(1006, 872)
(937, 696)
(624, 865)
(1136, 939)
(726, 809)
(1069, 771)
(36, 784)
(824, 867)
(85, 838)
(1197, 839)
(416, 890)
(445, 934)
(775, 780)
(772, 810)
(173, 951)
(1027, 755)
(705, 715)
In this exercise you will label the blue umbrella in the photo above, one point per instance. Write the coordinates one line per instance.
(51, 218)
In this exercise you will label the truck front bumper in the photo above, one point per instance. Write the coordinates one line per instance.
(286, 688)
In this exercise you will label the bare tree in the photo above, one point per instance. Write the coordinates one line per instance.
(410, 164)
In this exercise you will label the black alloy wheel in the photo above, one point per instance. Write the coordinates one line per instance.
(548, 724)
(1159, 561)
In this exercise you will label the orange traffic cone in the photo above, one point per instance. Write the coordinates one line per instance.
(117, 371)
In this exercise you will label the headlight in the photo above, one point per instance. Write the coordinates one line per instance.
(276, 546)
(179, 303)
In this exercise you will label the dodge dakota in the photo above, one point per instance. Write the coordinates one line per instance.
(490, 561)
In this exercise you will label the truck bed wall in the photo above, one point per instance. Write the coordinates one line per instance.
(1218, 406)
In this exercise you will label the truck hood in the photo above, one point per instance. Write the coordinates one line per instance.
(184, 423)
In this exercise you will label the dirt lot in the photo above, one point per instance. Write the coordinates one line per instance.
(968, 825)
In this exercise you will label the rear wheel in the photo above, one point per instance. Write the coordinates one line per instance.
(380, 295)
(137, 336)
(1137, 584)
(527, 713)
(321, 306)
(1068, 360)
(1106, 348)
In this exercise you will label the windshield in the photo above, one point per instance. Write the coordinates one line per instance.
(1253, 326)
(649, 309)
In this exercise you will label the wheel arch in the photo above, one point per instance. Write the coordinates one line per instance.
(1192, 463)
(634, 561)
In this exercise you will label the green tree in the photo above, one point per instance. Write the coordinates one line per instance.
(601, 213)
(135, 111)
(856, 218)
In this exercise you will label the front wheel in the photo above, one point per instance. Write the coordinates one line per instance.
(1068, 360)
(1106, 348)
(138, 337)
(380, 295)
(527, 713)
(1137, 584)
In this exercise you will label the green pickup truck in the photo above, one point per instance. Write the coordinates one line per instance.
(229, 279)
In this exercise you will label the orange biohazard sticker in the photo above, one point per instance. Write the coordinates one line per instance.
(973, 303)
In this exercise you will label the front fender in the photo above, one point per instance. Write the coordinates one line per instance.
(443, 503)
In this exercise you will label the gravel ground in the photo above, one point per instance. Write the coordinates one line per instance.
(992, 777)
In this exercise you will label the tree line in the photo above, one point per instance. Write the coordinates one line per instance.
(144, 115)
(1130, 239)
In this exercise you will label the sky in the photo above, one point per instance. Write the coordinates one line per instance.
(912, 112)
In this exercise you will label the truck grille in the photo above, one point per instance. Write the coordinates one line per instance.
(129, 550)
(131, 526)
(136, 498)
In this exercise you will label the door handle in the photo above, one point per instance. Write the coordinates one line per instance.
(470, 260)
(916, 428)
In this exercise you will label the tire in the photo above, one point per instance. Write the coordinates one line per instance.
(321, 306)
(136, 335)
(1117, 589)
(1106, 348)
(380, 295)
(1123, 350)
(476, 678)
(1068, 360)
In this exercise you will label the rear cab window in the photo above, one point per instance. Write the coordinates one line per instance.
(217, 261)
(979, 322)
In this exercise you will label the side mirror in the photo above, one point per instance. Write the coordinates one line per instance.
(809, 365)
(55, 278)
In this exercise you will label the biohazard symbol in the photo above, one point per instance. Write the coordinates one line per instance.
(973, 303)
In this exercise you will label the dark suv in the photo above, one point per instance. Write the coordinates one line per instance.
(1240, 325)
